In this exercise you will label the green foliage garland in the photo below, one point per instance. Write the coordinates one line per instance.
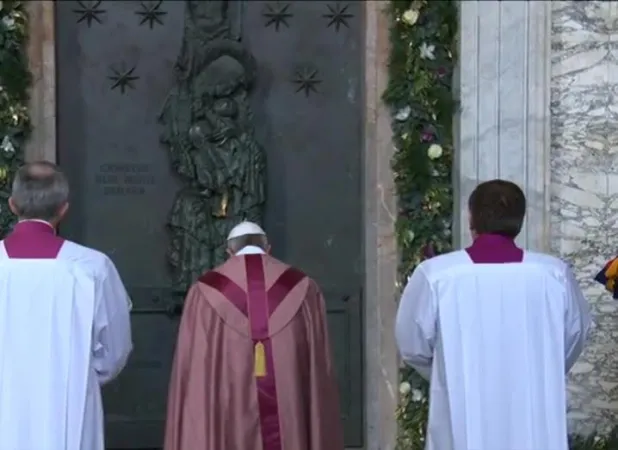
(15, 82)
(420, 96)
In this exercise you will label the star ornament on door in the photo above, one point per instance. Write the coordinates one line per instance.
(338, 15)
(123, 78)
(88, 12)
(151, 13)
(277, 14)
(306, 80)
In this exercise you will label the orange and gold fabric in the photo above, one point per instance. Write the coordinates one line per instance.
(608, 277)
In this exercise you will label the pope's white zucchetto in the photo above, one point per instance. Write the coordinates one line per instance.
(245, 228)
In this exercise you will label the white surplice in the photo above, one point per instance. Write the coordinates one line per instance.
(495, 341)
(64, 331)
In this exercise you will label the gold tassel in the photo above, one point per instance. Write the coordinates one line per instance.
(259, 368)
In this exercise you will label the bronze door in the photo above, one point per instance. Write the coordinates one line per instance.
(178, 119)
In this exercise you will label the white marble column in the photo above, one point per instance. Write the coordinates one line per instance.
(381, 357)
(504, 90)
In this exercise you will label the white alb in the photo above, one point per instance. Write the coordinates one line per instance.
(64, 332)
(495, 341)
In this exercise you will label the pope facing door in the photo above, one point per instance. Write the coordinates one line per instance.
(165, 155)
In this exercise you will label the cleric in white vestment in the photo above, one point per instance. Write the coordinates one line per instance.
(64, 324)
(494, 328)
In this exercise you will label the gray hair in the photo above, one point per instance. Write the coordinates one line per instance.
(238, 243)
(40, 190)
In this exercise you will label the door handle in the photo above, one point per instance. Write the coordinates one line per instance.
(176, 307)
(174, 310)
(171, 311)
(167, 303)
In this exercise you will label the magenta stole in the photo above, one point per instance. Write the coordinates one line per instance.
(494, 249)
(33, 240)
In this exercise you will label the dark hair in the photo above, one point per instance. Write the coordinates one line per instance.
(40, 189)
(497, 207)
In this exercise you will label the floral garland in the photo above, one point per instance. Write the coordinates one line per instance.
(15, 82)
(420, 96)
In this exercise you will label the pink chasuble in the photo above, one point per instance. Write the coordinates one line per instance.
(258, 304)
(494, 249)
(31, 239)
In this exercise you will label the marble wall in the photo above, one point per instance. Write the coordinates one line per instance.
(584, 187)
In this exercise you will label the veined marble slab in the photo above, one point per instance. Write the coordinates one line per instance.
(584, 188)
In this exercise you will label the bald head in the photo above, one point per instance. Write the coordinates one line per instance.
(40, 191)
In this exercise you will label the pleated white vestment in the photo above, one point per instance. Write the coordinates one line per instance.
(495, 341)
(64, 331)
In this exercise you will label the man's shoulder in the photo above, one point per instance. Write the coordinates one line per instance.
(444, 263)
(287, 274)
(272, 263)
(235, 265)
(448, 262)
(274, 270)
(544, 259)
(93, 261)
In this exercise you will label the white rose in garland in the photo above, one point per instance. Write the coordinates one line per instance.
(417, 396)
(403, 113)
(405, 388)
(411, 235)
(434, 151)
(410, 16)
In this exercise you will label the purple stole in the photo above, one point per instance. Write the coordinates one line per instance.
(258, 304)
(33, 240)
(494, 249)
